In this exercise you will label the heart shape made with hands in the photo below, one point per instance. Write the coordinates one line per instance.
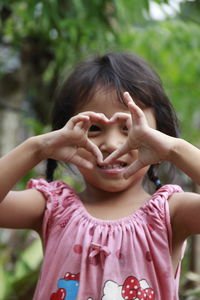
(118, 117)
(130, 144)
(81, 136)
(137, 118)
(142, 137)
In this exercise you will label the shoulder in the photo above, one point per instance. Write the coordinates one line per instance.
(47, 188)
(22, 210)
(185, 213)
(157, 207)
(164, 195)
(61, 202)
(179, 202)
(60, 197)
(52, 191)
(57, 193)
(166, 191)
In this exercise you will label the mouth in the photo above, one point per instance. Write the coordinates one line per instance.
(114, 169)
(119, 165)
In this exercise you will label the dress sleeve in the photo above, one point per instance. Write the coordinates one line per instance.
(60, 201)
(158, 207)
(163, 194)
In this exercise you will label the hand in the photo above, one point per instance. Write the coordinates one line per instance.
(153, 146)
(63, 144)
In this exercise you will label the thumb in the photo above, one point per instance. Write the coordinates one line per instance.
(117, 153)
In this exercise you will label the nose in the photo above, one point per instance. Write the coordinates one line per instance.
(110, 142)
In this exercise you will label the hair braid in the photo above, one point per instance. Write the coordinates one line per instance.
(51, 166)
(153, 177)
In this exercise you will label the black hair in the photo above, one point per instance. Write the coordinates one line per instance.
(121, 72)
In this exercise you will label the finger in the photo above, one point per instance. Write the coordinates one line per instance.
(81, 162)
(120, 116)
(128, 99)
(75, 120)
(137, 113)
(117, 153)
(83, 125)
(95, 116)
(132, 169)
(89, 146)
(84, 117)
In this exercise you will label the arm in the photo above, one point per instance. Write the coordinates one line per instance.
(17, 163)
(153, 147)
(185, 208)
(20, 209)
(186, 157)
(25, 209)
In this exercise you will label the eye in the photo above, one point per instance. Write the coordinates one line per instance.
(94, 128)
(125, 128)
(94, 131)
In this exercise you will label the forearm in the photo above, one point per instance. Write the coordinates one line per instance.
(186, 157)
(17, 163)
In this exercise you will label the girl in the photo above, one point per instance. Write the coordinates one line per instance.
(114, 240)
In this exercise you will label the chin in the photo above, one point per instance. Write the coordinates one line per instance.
(112, 187)
(116, 185)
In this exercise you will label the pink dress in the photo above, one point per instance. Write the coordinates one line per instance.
(86, 258)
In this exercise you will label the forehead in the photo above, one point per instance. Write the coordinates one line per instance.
(106, 102)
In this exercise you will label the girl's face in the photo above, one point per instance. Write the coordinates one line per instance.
(108, 138)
